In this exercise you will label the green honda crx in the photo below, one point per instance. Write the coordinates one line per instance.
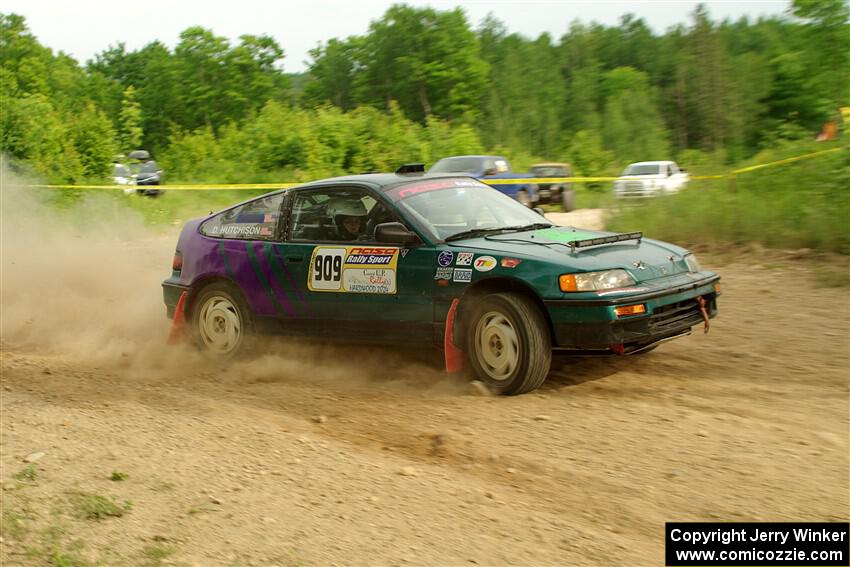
(433, 260)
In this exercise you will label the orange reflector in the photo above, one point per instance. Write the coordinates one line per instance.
(510, 262)
(567, 282)
(717, 287)
(625, 310)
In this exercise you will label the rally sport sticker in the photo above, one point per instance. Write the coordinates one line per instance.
(353, 269)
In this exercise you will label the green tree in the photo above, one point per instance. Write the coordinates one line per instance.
(632, 127)
(427, 61)
(130, 129)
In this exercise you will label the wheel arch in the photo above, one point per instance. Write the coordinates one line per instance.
(489, 286)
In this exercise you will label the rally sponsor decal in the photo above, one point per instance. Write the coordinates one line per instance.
(409, 190)
(463, 275)
(404, 252)
(484, 263)
(443, 273)
(446, 258)
(251, 229)
(353, 269)
(464, 258)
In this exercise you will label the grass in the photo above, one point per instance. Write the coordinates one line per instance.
(200, 508)
(11, 523)
(117, 476)
(95, 507)
(155, 554)
(27, 474)
(801, 205)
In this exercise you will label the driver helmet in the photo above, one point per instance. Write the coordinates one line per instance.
(341, 209)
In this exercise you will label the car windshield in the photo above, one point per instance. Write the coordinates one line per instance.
(120, 170)
(448, 207)
(457, 165)
(550, 171)
(643, 169)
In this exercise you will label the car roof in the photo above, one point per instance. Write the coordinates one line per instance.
(651, 163)
(383, 181)
(476, 156)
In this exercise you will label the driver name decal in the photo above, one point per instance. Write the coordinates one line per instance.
(353, 269)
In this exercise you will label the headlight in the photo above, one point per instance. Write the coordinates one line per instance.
(692, 263)
(593, 281)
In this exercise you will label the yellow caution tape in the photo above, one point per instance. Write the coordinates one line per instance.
(288, 185)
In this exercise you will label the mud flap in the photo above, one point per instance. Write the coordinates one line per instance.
(178, 323)
(704, 312)
(453, 355)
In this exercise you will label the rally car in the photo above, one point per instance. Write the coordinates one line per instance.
(431, 259)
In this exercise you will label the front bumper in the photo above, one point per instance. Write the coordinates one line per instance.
(592, 324)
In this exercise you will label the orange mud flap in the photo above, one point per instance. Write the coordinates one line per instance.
(453, 355)
(704, 312)
(178, 323)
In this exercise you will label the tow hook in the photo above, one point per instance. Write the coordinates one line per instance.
(704, 312)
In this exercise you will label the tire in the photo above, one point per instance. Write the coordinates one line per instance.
(568, 199)
(523, 198)
(221, 322)
(508, 343)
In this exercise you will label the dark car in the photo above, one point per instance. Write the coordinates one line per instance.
(431, 259)
(148, 179)
(493, 170)
(558, 192)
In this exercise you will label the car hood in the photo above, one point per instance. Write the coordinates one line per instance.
(644, 260)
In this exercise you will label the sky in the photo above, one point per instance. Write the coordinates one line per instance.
(82, 28)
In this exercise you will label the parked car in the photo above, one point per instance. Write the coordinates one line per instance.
(489, 168)
(430, 259)
(650, 179)
(561, 193)
(121, 174)
(146, 173)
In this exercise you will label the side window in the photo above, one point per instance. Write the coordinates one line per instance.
(336, 215)
(255, 220)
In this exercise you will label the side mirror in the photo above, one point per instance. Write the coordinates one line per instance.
(539, 211)
(394, 233)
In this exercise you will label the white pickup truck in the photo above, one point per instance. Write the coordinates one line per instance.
(650, 179)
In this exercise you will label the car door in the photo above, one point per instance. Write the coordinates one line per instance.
(359, 289)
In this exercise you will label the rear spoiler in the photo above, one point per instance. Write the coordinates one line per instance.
(613, 239)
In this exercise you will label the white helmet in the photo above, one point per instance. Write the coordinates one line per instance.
(341, 207)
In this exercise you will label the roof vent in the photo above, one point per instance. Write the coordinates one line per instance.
(411, 168)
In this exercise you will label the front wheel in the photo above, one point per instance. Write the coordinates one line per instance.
(523, 198)
(508, 343)
(568, 199)
(220, 321)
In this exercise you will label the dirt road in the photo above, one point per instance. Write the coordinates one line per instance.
(321, 455)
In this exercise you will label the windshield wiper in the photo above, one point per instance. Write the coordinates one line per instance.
(473, 233)
(525, 227)
(498, 229)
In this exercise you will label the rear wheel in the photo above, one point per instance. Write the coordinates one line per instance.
(508, 343)
(220, 320)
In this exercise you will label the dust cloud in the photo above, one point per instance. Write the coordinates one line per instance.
(84, 283)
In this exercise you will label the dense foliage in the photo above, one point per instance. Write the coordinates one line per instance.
(421, 84)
